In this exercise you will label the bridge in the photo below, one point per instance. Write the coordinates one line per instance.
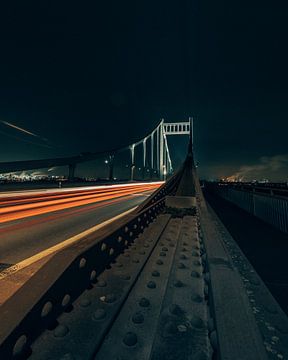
(160, 161)
(165, 280)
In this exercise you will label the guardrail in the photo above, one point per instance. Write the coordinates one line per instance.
(268, 207)
(52, 290)
(269, 188)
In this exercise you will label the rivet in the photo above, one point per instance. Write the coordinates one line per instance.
(144, 302)
(119, 239)
(126, 229)
(151, 285)
(99, 314)
(61, 331)
(93, 275)
(178, 283)
(46, 308)
(159, 262)
(130, 339)
(111, 252)
(126, 242)
(162, 253)
(135, 226)
(155, 273)
(103, 247)
(195, 274)
(138, 318)
(164, 248)
(19, 345)
(197, 263)
(82, 263)
(131, 233)
(146, 245)
(183, 257)
(182, 328)
(66, 300)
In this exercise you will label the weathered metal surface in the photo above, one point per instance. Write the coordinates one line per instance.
(183, 326)
(84, 327)
(165, 315)
(268, 207)
(133, 332)
(68, 272)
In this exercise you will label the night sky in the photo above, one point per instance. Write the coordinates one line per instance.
(90, 76)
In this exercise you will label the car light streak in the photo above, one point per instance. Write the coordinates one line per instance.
(43, 205)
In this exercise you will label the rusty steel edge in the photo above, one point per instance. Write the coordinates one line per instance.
(37, 304)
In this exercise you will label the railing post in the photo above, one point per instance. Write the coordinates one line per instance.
(144, 159)
(132, 150)
(152, 154)
(161, 150)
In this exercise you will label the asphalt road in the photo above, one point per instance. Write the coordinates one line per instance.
(33, 221)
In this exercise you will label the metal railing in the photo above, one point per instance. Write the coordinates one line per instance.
(268, 206)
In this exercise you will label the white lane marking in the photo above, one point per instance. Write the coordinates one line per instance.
(63, 190)
(24, 263)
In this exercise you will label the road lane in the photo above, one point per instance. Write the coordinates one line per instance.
(26, 236)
